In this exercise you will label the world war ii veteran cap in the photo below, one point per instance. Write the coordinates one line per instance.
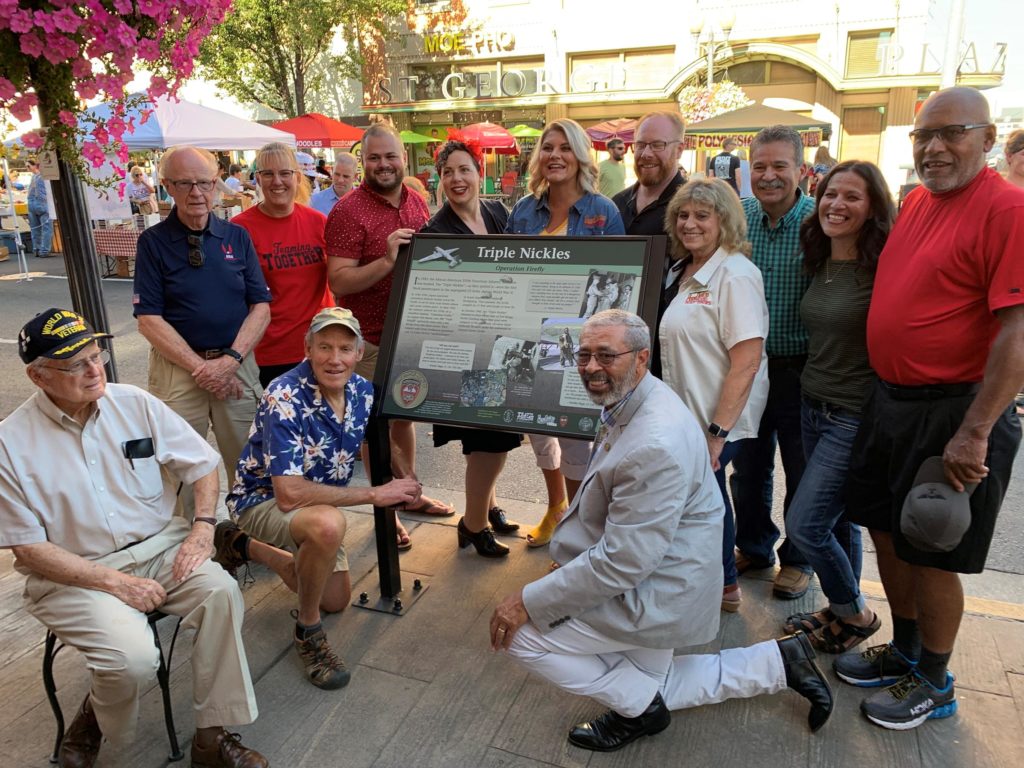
(335, 316)
(935, 516)
(57, 334)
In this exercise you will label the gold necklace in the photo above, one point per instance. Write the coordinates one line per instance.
(828, 277)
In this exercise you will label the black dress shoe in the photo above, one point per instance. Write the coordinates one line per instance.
(484, 541)
(612, 731)
(500, 523)
(804, 677)
(81, 742)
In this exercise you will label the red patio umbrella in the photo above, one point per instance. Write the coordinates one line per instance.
(492, 138)
(316, 130)
(620, 128)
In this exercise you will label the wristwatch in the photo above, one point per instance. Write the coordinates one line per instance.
(233, 354)
(716, 431)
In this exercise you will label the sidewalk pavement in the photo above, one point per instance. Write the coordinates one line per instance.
(427, 693)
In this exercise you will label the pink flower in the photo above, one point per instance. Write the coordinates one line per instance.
(67, 118)
(21, 21)
(148, 50)
(122, 153)
(86, 89)
(81, 68)
(44, 21)
(118, 169)
(31, 45)
(92, 152)
(124, 7)
(150, 7)
(21, 107)
(157, 88)
(7, 89)
(144, 114)
(32, 140)
(120, 190)
(100, 134)
(66, 20)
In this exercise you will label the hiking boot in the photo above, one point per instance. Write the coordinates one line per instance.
(909, 702)
(878, 665)
(323, 668)
(225, 553)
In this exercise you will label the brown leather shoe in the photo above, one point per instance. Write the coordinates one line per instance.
(744, 563)
(790, 583)
(228, 752)
(82, 739)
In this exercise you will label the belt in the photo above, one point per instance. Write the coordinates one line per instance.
(210, 354)
(929, 391)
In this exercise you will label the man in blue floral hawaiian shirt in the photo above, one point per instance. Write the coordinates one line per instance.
(292, 479)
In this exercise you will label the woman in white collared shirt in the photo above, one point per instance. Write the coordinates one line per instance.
(712, 334)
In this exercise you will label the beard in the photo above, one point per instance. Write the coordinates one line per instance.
(618, 388)
(383, 189)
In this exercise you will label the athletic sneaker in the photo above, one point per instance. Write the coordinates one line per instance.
(878, 665)
(323, 668)
(909, 702)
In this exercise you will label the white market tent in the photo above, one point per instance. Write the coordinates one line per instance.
(172, 123)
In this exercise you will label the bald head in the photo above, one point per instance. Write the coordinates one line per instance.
(952, 134)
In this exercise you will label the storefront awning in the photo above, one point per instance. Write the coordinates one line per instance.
(744, 123)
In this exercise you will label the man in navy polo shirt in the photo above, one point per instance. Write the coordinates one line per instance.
(202, 303)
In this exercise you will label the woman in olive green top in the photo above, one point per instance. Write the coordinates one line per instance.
(841, 242)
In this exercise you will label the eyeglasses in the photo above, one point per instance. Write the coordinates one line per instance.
(101, 358)
(654, 146)
(184, 186)
(269, 175)
(195, 251)
(604, 359)
(949, 134)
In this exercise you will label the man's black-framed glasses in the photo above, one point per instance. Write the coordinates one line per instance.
(195, 251)
(184, 186)
(583, 358)
(950, 134)
(654, 146)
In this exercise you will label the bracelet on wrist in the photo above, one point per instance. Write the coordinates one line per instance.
(211, 520)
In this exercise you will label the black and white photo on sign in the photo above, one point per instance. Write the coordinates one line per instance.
(559, 341)
(607, 290)
(517, 357)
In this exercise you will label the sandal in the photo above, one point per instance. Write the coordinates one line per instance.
(809, 622)
(428, 506)
(404, 540)
(839, 636)
(541, 535)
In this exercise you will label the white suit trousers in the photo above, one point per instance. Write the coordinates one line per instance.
(625, 678)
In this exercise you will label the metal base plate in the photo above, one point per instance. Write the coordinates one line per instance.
(368, 596)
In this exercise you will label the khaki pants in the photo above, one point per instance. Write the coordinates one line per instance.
(118, 645)
(230, 419)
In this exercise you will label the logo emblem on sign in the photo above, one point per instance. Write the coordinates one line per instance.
(410, 389)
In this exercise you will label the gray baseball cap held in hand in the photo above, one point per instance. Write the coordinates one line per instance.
(935, 516)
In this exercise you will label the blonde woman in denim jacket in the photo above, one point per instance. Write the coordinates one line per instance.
(563, 201)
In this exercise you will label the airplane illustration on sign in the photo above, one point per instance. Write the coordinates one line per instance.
(442, 253)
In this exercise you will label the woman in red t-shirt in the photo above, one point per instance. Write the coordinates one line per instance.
(289, 241)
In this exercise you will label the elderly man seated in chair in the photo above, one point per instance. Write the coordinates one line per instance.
(88, 478)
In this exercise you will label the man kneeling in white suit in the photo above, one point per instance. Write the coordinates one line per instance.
(640, 567)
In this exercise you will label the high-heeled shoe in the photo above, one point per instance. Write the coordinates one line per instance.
(541, 535)
(484, 541)
(500, 523)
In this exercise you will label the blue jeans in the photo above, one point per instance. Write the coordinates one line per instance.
(729, 451)
(754, 468)
(42, 230)
(817, 521)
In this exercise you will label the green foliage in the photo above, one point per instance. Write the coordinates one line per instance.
(278, 52)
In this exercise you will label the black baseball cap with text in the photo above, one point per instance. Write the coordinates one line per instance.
(57, 334)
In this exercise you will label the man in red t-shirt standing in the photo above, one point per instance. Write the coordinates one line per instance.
(364, 232)
(946, 338)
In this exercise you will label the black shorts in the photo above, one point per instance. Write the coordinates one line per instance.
(899, 429)
(477, 440)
